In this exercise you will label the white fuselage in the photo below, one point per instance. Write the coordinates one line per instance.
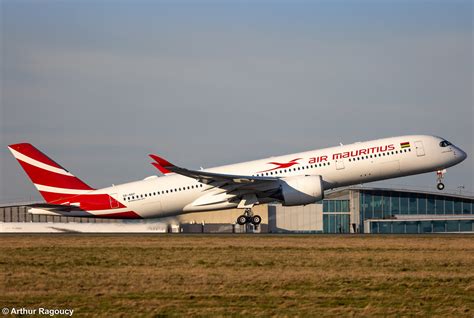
(339, 166)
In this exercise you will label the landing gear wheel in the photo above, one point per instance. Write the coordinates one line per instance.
(439, 178)
(256, 219)
(241, 220)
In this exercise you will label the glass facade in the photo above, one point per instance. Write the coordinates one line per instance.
(336, 223)
(336, 216)
(414, 227)
(385, 204)
(335, 206)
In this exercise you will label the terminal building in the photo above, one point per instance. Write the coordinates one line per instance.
(350, 210)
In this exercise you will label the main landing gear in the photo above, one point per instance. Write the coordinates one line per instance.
(248, 217)
(439, 179)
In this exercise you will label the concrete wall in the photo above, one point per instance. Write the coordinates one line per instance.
(299, 219)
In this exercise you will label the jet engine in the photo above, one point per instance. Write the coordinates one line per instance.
(301, 190)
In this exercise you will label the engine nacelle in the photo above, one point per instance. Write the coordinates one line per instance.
(301, 190)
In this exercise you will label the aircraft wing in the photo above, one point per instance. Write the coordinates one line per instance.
(242, 189)
(210, 178)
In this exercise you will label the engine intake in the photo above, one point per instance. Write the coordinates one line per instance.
(301, 190)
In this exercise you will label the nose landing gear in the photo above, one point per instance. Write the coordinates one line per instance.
(439, 179)
(248, 217)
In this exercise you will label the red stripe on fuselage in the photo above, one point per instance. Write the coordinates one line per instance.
(86, 202)
(120, 215)
(30, 151)
(52, 179)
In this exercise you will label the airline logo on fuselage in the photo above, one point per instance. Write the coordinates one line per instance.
(280, 165)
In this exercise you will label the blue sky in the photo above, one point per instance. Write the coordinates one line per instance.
(99, 85)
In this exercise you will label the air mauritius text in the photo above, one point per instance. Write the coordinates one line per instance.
(365, 151)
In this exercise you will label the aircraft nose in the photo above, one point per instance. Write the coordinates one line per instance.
(461, 155)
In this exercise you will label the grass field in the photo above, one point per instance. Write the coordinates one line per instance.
(240, 275)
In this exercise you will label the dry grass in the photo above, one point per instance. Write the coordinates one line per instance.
(240, 275)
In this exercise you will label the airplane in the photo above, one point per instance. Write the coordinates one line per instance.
(295, 179)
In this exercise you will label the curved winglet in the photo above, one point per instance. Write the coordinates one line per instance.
(162, 170)
(161, 164)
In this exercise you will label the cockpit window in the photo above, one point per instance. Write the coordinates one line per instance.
(445, 143)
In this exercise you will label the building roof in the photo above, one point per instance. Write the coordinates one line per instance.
(339, 192)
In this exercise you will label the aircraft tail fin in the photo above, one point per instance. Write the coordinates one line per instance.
(54, 183)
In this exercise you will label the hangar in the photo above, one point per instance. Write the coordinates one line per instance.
(351, 210)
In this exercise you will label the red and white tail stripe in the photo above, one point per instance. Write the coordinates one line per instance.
(55, 183)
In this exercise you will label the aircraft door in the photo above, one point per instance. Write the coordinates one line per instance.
(420, 150)
(339, 164)
(114, 204)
